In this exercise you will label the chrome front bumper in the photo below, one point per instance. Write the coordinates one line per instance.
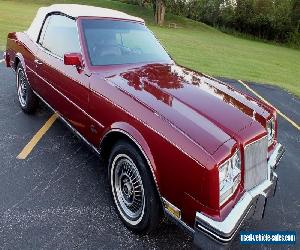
(211, 234)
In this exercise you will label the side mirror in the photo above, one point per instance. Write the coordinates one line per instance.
(74, 59)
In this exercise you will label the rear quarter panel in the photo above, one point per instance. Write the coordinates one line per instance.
(20, 46)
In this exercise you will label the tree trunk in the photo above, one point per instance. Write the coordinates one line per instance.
(160, 10)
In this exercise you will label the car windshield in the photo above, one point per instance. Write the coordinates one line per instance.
(112, 42)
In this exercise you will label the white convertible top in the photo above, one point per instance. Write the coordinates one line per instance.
(74, 10)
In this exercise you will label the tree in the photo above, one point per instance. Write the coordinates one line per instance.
(262, 20)
(277, 20)
(212, 11)
(243, 15)
(281, 24)
(227, 12)
(159, 8)
(296, 15)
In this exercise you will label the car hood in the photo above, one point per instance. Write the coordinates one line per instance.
(207, 111)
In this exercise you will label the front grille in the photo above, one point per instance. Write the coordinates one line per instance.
(256, 163)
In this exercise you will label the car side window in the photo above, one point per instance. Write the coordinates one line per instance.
(60, 35)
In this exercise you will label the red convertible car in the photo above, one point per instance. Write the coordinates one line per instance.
(176, 142)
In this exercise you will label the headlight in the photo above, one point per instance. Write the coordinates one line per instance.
(229, 176)
(271, 131)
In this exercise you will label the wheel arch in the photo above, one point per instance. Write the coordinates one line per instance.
(123, 130)
(19, 59)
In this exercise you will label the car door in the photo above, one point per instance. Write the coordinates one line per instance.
(64, 87)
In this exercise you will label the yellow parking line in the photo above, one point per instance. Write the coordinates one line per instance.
(277, 110)
(35, 139)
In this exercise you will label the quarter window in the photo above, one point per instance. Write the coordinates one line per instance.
(59, 35)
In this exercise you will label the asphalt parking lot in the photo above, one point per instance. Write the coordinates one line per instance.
(58, 197)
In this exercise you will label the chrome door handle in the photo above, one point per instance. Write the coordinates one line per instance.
(36, 61)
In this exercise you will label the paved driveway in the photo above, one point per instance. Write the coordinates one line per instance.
(58, 197)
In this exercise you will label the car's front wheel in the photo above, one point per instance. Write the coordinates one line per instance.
(133, 189)
(27, 99)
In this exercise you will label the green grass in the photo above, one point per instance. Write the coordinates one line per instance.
(194, 45)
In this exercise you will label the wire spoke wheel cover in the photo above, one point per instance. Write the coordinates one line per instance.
(127, 189)
(22, 87)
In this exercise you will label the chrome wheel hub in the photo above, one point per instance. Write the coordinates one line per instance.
(22, 88)
(127, 188)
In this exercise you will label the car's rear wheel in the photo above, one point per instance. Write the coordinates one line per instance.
(27, 99)
(133, 189)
